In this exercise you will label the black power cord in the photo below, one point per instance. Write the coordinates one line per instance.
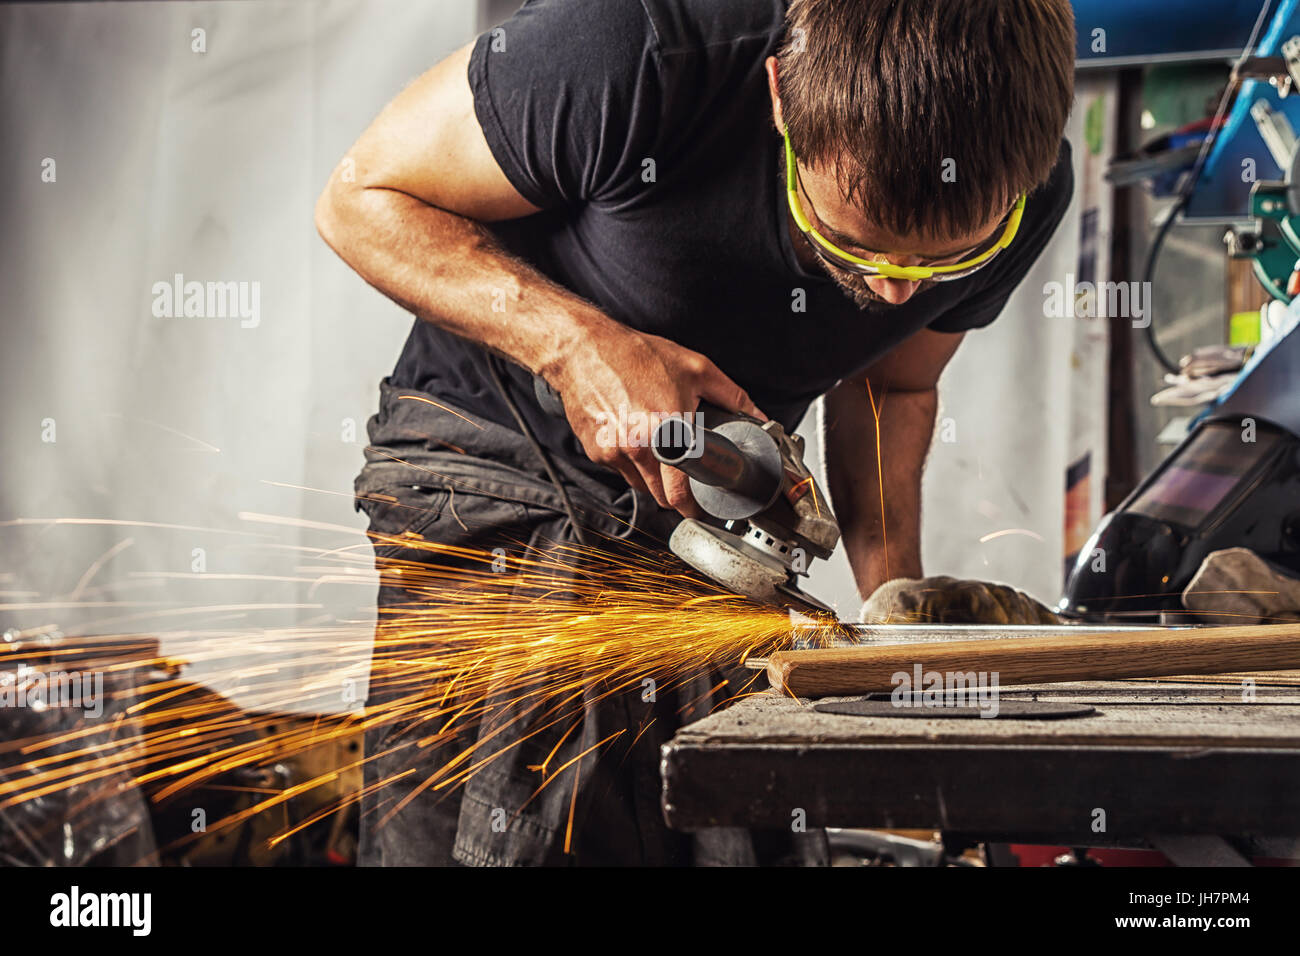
(1188, 184)
(537, 448)
(1148, 272)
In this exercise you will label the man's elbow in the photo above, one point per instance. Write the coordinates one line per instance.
(328, 215)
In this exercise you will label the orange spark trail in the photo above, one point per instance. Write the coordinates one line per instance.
(880, 477)
(484, 655)
(417, 398)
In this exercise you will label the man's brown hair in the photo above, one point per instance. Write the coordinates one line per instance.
(883, 92)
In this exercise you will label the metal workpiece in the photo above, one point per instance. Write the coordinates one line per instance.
(849, 634)
(885, 634)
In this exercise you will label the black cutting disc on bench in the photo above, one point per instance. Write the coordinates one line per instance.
(883, 706)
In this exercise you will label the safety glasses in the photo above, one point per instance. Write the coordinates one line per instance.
(971, 261)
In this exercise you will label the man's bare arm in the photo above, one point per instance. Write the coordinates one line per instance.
(903, 388)
(405, 210)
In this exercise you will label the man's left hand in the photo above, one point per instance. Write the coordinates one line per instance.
(948, 600)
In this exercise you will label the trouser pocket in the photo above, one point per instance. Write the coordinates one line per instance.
(403, 509)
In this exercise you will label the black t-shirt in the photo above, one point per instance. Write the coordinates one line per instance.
(643, 130)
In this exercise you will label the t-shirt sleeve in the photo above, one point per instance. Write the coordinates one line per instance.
(567, 93)
(1044, 210)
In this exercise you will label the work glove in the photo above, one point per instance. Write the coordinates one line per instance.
(947, 600)
(1237, 586)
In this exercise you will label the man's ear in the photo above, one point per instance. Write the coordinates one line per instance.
(774, 90)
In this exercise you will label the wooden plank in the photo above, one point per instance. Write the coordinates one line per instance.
(1092, 656)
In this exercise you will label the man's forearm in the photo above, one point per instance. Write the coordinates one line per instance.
(882, 532)
(406, 209)
(448, 270)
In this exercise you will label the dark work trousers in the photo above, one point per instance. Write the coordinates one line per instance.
(478, 485)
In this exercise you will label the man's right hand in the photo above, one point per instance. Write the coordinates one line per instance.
(621, 369)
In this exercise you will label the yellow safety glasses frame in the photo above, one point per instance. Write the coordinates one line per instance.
(851, 263)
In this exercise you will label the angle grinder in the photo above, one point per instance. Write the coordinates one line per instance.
(751, 477)
(768, 520)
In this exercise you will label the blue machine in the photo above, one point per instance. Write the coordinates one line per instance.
(1234, 482)
(1151, 31)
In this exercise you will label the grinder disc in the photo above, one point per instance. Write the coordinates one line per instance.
(726, 559)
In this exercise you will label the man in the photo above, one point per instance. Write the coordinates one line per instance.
(596, 194)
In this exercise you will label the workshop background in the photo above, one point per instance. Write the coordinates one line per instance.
(223, 444)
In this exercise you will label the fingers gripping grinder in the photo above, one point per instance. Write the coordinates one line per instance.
(768, 518)
(771, 519)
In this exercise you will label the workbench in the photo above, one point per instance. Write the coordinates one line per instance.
(1169, 763)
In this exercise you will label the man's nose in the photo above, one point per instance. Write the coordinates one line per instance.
(893, 291)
